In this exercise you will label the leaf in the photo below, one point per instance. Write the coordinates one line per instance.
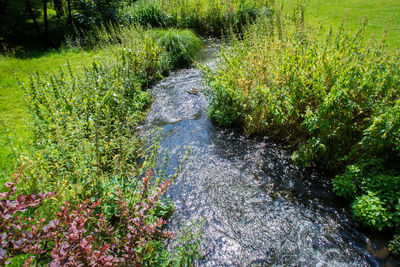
(21, 198)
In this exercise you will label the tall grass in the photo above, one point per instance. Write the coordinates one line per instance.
(184, 45)
(208, 18)
(14, 116)
(333, 95)
(83, 123)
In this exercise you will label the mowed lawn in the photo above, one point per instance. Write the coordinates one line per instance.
(13, 112)
(381, 15)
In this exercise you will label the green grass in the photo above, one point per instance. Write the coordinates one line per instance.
(381, 14)
(13, 112)
(185, 45)
(181, 46)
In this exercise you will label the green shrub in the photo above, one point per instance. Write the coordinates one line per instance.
(386, 187)
(370, 211)
(84, 123)
(213, 18)
(91, 13)
(321, 89)
(145, 13)
(394, 245)
(183, 46)
(345, 185)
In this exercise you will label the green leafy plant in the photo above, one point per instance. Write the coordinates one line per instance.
(345, 185)
(394, 245)
(370, 211)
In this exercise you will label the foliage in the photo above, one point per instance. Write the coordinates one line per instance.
(327, 91)
(394, 245)
(183, 46)
(386, 187)
(18, 234)
(145, 13)
(85, 147)
(82, 235)
(187, 246)
(331, 94)
(213, 18)
(94, 12)
(345, 185)
(368, 178)
(84, 123)
(370, 211)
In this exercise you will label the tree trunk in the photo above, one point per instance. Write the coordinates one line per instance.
(58, 6)
(45, 21)
(30, 10)
(69, 12)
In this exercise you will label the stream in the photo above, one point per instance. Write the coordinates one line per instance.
(260, 209)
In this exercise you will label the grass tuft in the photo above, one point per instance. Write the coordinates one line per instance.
(183, 46)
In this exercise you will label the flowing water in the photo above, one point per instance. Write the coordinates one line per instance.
(260, 209)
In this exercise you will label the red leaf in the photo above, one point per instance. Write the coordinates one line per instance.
(21, 198)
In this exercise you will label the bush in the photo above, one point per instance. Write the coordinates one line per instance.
(86, 148)
(20, 235)
(84, 124)
(213, 18)
(145, 13)
(183, 46)
(370, 211)
(307, 86)
(394, 245)
(91, 13)
(386, 187)
(345, 185)
(83, 235)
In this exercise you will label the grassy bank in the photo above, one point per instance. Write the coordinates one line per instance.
(381, 14)
(83, 146)
(332, 94)
(208, 18)
(13, 111)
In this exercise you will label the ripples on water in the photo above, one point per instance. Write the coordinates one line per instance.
(259, 208)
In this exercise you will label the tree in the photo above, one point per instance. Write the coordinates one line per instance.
(32, 15)
(58, 6)
(45, 21)
(69, 12)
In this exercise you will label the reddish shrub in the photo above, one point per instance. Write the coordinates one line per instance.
(20, 234)
(81, 236)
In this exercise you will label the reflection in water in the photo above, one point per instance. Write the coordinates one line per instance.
(259, 208)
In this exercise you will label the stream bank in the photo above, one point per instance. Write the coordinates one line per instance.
(260, 208)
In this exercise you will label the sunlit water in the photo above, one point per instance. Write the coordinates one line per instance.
(260, 208)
